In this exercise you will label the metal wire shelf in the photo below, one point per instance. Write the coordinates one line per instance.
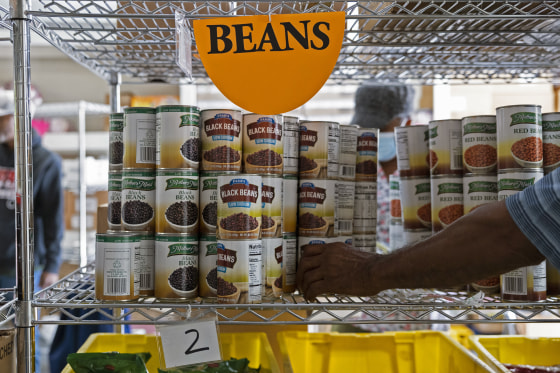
(390, 307)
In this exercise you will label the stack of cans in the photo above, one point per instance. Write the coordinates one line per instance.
(346, 182)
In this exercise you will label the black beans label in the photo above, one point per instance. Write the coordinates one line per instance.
(222, 127)
(311, 194)
(278, 254)
(264, 131)
(524, 118)
(211, 249)
(367, 143)
(307, 138)
(226, 257)
(239, 193)
(268, 194)
(209, 184)
(189, 120)
(138, 184)
(182, 249)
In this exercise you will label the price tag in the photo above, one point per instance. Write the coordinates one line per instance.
(183, 41)
(190, 343)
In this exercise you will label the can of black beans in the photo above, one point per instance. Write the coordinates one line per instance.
(365, 200)
(447, 200)
(114, 190)
(139, 137)
(411, 236)
(416, 202)
(208, 273)
(514, 181)
(239, 207)
(479, 190)
(116, 144)
(221, 140)
(318, 150)
(446, 147)
(239, 271)
(519, 136)
(263, 144)
(116, 272)
(551, 141)
(208, 196)
(345, 206)
(413, 156)
(317, 208)
(348, 146)
(289, 262)
(290, 135)
(146, 263)
(176, 265)
(395, 197)
(366, 154)
(271, 223)
(479, 144)
(177, 201)
(178, 136)
(289, 203)
(396, 240)
(138, 199)
(272, 265)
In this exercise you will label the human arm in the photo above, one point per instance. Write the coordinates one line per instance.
(47, 279)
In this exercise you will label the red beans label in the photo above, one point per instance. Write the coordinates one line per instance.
(479, 144)
(447, 201)
(262, 144)
(319, 150)
(207, 259)
(445, 146)
(413, 157)
(317, 208)
(221, 140)
(366, 154)
(551, 141)
(271, 223)
(416, 206)
(512, 182)
(479, 190)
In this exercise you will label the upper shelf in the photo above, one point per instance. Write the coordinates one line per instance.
(418, 42)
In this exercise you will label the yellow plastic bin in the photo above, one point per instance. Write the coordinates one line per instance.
(253, 346)
(519, 350)
(399, 352)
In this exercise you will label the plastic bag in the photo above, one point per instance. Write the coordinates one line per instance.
(108, 362)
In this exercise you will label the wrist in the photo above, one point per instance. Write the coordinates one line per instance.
(377, 277)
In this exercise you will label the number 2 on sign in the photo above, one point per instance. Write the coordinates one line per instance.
(190, 349)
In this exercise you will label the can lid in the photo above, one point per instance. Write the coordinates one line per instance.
(519, 106)
(520, 170)
(176, 237)
(177, 109)
(491, 118)
(139, 110)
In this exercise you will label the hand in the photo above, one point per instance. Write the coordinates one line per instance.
(47, 279)
(335, 268)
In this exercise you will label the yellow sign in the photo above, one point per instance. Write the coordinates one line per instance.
(270, 64)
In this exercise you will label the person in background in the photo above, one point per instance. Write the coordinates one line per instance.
(384, 107)
(48, 205)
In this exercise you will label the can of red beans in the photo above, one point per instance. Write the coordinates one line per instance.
(114, 200)
(479, 144)
(239, 271)
(551, 141)
(319, 150)
(365, 200)
(411, 236)
(447, 200)
(366, 154)
(289, 262)
(139, 137)
(116, 144)
(396, 239)
(176, 266)
(263, 144)
(138, 200)
(395, 197)
(511, 182)
(221, 139)
(446, 147)
(317, 208)
(413, 157)
(416, 205)
(519, 136)
(348, 146)
(290, 136)
(271, 221)
(479, 190)
(208, 273)
(239, 207)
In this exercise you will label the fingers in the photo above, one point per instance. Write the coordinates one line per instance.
(312, 283)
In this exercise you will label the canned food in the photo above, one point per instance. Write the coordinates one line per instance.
(262, 144)
(289, 203)
(365, 200)
(289, 263)
(525, 284)
(366, 154)
(178, 136)
(478, 190)
(364, 226)
(413, 157)
(396, 239)
(364, 241)
(552, 280)
(239, 271)
(514, 181)
(348, 146)
(177, 201)
(116, 144)
(479, 144)
(345, 206)
(208, 199)
(446, 147)
(271, 196)
(176, 266)
(519, 130)
(447, 201)
(290, 135)
(138, 200)
(114, 191)
(318, 150)
(221, 140)
(551, 141)
(146, 263)
(207, 262)
(395, 197)
(416, 203)
(317, 208)
(139, 137)
(239, 207)
(272, 264)
(116, 266)
(411, 236)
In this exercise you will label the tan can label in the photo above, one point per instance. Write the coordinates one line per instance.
(319, 150)
(272, 264)
(366, 154)
(364, 242)
(177, 202)
(221, 139)
(317, 208)
(239, 207)
(551, 141)
(139, 137)
(290, 136)
(416, 203)
(114, 192)
(512, 182)
(207, 262)
(479, 190)
(479, 144)
(178, 137)
(364, 226)
(519, 130)
(446, 147)
(447, 201)
(271, 196)
(345, 206)
(138, 200)
(524, 284)
(413, 157)
(348, 146)
(289, 263)
(240, 271)
(116, 144)
(176, 266)
(289, 203)
(263, 144)
(365, 200)
(146, 264)
(208, 203)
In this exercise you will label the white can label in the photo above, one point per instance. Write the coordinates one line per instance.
(413, 157)
(345, 206)
(239, 271)
(447, 201)
(446, 147)
(290, 134)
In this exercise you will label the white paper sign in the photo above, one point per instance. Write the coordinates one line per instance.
(190, 343)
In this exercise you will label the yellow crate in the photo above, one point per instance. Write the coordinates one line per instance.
(461, 334)
(497, 350)
(253, 346)
(399, 352)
